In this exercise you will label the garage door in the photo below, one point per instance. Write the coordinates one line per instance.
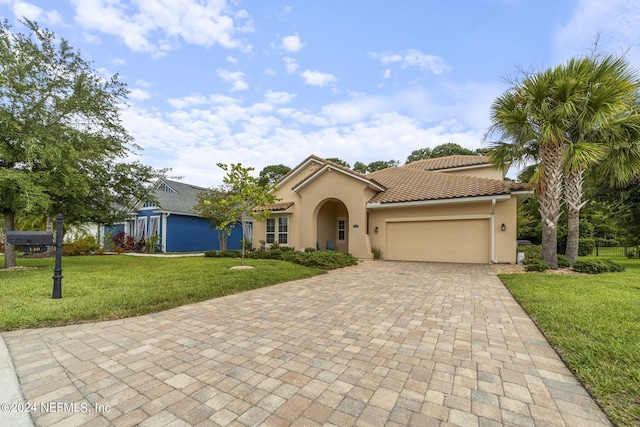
(439, 241)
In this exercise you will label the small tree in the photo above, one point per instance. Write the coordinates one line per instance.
(245, 193)
(209, 207)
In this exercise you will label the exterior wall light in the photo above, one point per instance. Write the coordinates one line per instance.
(503, 227)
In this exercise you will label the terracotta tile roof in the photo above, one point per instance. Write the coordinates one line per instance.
(449, 162)
(275, 207)
(407, 184)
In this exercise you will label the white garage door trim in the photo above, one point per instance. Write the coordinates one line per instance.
(465, 238)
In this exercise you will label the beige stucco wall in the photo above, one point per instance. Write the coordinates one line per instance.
(504, 212)
(331, 186)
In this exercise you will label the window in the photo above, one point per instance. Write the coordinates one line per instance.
(342, 229)
(277, 231)
(283, 230)
(148, 205)
(164, 187)
(154, 226)
(141, 228)
(271, 230)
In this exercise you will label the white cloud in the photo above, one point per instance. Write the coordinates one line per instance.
(616, 21)
(291, 44)
(290, 64)
(413, 58)
(34, 13)
(236, 78)
(155, 26)
(278, 97)
(139, 94)
(316, 78)
(232, 59)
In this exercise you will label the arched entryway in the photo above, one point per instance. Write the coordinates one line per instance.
(332, 221)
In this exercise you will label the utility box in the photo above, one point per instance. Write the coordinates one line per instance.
(29, 238)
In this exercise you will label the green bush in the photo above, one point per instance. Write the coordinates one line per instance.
(84, 246)
(531, 252)
(327, 260)
(309, 249)
(377, 253)
(596, 266)
(228, 253)
(586, 247)
(536, 265)
(563, 261)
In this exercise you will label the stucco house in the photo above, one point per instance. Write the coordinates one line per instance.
(449, 209)
(172, 218)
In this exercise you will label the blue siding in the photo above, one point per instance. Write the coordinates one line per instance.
(189, 233)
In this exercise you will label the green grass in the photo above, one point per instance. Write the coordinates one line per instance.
(112, 287)
(593, 321)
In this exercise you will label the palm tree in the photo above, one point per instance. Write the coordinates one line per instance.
(527, 122)
(566, 119)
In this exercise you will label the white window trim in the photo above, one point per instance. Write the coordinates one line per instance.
(286, 233)
(276, 230)
(156, 219)
(141, 228)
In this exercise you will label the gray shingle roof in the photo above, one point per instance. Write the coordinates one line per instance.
(183, 198)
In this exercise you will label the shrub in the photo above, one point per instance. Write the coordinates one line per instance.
(377, 253)
(228, 253)
(327, 260)
(563, 261)
(586, 247)
(536, 265)
(309, 249)
(83, 246)
(531, 252)
(596, 266)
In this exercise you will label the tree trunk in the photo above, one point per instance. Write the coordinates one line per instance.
(9, 250)
(573, 197)
(549, 194)
(222, 239)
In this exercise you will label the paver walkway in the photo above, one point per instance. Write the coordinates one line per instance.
(385, 343)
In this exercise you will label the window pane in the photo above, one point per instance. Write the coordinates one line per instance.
(283, 229)
(271, 230)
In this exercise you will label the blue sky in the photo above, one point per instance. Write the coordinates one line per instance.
(263, 82)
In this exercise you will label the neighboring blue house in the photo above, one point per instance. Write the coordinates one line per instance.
(173, 219)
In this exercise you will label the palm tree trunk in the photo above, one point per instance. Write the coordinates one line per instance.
(573, 196)
(9, 250)
(549, 194)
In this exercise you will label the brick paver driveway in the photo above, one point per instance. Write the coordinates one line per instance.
(385, 343)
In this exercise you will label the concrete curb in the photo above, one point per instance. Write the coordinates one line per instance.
(10, 392)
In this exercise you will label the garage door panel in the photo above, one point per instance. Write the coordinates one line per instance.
(439, 241)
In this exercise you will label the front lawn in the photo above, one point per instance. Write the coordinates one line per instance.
(593, 321)
(112, 287)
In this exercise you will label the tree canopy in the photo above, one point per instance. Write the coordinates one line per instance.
(271, 174)
(442, 150)
(62, 143)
